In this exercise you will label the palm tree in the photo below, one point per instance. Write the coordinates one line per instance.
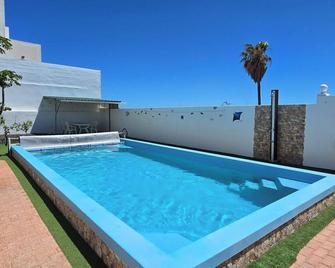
(255, 63)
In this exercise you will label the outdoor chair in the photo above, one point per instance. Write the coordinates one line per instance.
(85, 128)
(69, 129)
(94, 127)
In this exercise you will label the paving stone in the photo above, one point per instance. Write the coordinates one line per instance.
(320, 251)
(24, 239)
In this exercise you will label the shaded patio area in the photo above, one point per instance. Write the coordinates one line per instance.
(71, 115)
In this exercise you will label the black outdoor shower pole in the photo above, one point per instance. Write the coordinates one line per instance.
(274, 124)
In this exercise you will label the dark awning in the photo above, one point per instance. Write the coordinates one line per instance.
(81, 100)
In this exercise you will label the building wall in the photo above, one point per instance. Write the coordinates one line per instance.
(44, 79)
(24, 50)
(2, 18)
(208, 128)
(319, 143)
(20, 49)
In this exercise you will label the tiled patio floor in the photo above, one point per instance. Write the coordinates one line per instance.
(320, 251)
(24, 239)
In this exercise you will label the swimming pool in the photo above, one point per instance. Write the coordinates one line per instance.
(176, 206)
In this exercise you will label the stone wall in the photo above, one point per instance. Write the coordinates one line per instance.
(262, 132)
(291, 133)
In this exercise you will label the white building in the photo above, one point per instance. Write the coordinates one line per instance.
(43, 79)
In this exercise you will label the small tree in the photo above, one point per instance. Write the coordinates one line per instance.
(255, 63)
(7, 79)
(5, 127)
(25, 126)
(5, 45)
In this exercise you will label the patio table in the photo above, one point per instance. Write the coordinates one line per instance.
(82, 127)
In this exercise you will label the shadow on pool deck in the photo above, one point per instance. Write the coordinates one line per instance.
(91, 257)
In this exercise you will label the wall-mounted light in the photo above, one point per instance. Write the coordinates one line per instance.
(102, 106)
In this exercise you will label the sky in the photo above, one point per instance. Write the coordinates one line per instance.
(155, 53)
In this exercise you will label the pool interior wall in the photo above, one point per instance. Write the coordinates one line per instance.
(218, 246)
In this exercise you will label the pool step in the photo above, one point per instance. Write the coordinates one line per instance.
(252, 185)
(269, 184)
(276, 184)
(292, 183)
(264, 183)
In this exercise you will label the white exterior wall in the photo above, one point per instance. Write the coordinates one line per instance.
(20, 49)
(319, 144)
(2, 18)
(29, 51)
(213, 130)
(43, 79)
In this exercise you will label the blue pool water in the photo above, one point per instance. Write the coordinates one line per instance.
(170, 200)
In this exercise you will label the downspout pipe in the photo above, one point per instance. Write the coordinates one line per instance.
(274, 125)
(109, 117)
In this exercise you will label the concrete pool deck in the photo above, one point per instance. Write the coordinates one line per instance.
(24, 239)
(320, 251)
